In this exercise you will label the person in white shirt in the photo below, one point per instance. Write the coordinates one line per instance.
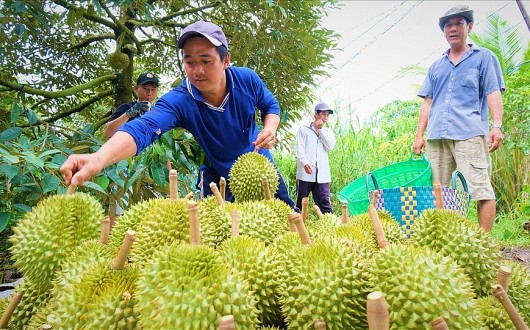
(313, 142)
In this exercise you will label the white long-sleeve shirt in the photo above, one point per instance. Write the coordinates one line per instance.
(312, 148)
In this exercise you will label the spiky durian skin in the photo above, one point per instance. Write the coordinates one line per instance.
(215, 221)
(190, 287)
(46, 236)
(246, 174)
(519, 289)
(129, 220)
(420, 285)
(256, 263)
(393, 233)
(322, 226)
(475, 250)
(492, 314)
(34, 296)
(163, 222)
(118, 60)
(359, 241)
(329, 284)
(103, 298)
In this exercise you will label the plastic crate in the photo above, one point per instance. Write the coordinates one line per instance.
(415, 171)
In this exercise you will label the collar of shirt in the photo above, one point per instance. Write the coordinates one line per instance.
(196, 94)
(472, 48)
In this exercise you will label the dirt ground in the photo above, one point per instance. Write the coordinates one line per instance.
(520, 254)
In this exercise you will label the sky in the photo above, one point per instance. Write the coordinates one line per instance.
(378, 38)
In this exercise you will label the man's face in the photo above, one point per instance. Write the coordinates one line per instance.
(456, 30)
(203, 65)
(147, 92)
(322, 115)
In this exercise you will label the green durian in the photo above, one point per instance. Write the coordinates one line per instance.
(519, 289)
(118, 60)
(44, 237)
(159, 222)
(323, 225)
(475, 250)
(420, 285)
(256, 263)
(35, 295)
(190, 287)
(393, 233)
(326, 282)
(360, 241)
(492, 314)
(246, 174)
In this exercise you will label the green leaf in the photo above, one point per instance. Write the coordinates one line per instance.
(4, 220)
(16, 110)
(139, 170)
(19, 29)
(32, 159)
(157, 173)
(49, 152)
(7, 156)
(32, 117)
(9, 170)
(92, 185)
(50, 182)
(22, 207)
(51, 165)
(59, 159)
(103, 181)
(10, 134)
(115, 178)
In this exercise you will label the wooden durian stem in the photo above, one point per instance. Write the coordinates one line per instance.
(319, 325)
(378, 228)
(217, 194)
(377, 311)
(13, 303)
(375, 196)
(190, 195)
(438, 195)
(503, 277)
(105, 230)
(71, 189)
(236, 218)
(502, 296)
(266, 188)
(317, 211)
(195, 231)
(305, 206)
(121, 258)
(344, 213)
(45, 327)
(292, 226)
(173, 184)
(227, 322)
(439, 324)
(300, 227)
(222, 187)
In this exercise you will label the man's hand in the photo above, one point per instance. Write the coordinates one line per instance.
(138, 109)
(265, 140)
(495, 139)
(419, 145)
(308, 169)
(319, 123)
(79, 168)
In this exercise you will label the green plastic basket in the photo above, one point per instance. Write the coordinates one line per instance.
(413, 172)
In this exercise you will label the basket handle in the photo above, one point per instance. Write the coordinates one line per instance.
(458, 175)
(371, 176)
(419, 157)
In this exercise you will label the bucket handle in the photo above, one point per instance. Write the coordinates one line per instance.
(457, 175)
(371, 177)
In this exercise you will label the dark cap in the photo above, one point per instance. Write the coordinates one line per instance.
(208, 30)
(323, 107)
(147, 78)
(460, 10)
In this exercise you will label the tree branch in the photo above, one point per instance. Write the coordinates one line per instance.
(93, 18)
(53, 95)
(123, 28)
(87, 41)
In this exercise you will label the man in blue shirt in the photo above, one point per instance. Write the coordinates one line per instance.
(216, 103)
(458, 91)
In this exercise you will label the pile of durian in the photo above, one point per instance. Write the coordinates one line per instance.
(177, 263)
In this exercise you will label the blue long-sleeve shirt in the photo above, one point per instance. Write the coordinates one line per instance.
(459, 109)
(224, 132)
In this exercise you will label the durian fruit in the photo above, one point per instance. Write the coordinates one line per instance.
(118, 60)
(256, 263)
(358, 240)
(35, 295)
(519, 289)
(215, 221)
(475, 250)
(393, 233)
(159, 222)
(322, 225)
(246, 176)
(325, 282)
(492, 314)
(45, 237)
(420, 285)
(189, 286)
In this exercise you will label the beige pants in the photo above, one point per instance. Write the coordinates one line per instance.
(471, 157)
